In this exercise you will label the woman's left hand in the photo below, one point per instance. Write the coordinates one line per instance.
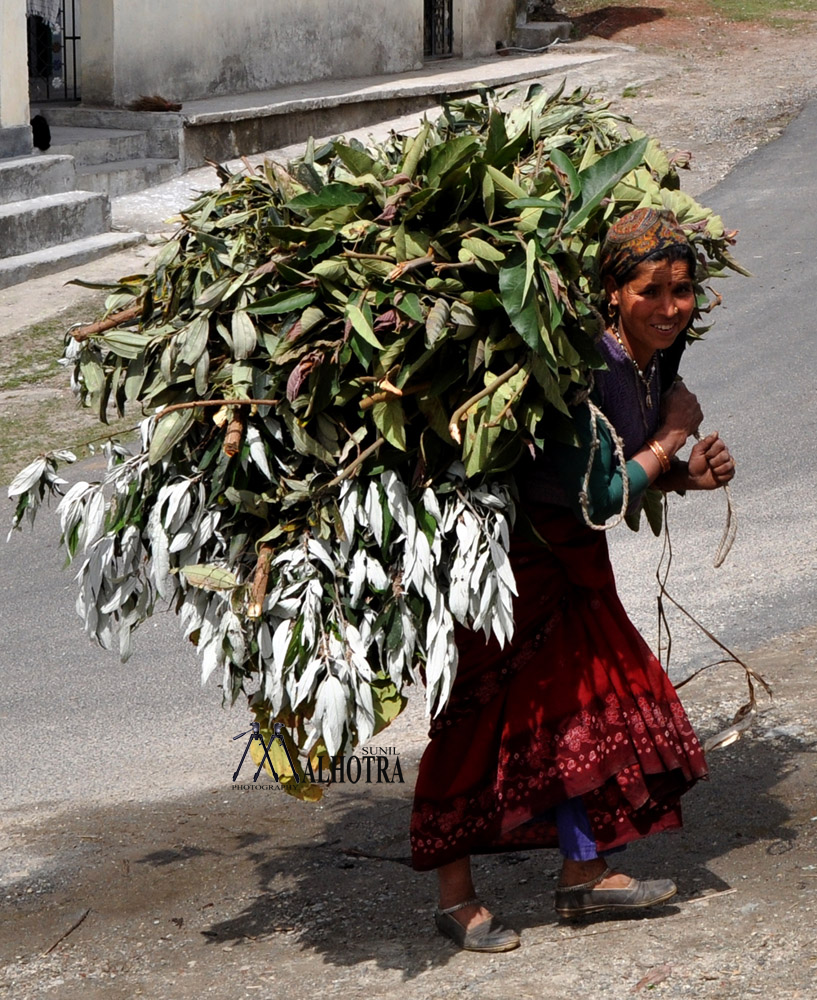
(710, 464)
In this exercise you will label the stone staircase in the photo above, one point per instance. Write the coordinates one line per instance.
(538, 25)
(117, 152)
(46, 224)
(112, 161)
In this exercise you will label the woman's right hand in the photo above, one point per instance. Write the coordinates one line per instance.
(681, 416)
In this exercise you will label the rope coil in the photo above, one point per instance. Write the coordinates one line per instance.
(596, 415)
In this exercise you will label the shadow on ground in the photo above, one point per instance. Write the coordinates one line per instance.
(350, 909)
(607, 22)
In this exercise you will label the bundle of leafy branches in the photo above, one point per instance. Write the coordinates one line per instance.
(340, 363)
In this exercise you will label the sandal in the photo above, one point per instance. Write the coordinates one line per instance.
(490, 935)
(577, 900)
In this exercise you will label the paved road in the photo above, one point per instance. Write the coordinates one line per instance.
(76, 726)
(755, 377)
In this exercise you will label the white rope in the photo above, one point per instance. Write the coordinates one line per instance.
(596, 415)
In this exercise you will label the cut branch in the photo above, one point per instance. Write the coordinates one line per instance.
(260, 579)
(350, 468)
(214, 402)
(459, 413)
(235, 432)
(128, 315)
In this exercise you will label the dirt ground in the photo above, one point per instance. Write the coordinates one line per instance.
(699, 82)
(229, 894)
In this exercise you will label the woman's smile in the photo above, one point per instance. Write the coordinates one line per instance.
(654, 307)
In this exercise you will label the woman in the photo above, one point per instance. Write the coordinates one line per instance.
(574, 736)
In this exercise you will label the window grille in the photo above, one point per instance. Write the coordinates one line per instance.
(439, 28)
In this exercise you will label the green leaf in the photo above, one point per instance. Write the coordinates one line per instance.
(194, 343)
(563, 163)
(414, 150)
(599, 179)
(441, 160)
(410, 306)
(390, 420)
(482, 249)
(92, 374)
(214, 293)
(244, 335)
(125, 343)
(549, 384)
(290, 300)
(361, 320)
(504, 183)
(331, 196)
(168, 432)
(522, 308)
(436, 321)
(530, 266)
(301, 234)
(488, 196)
(356, 160)
(209, 577)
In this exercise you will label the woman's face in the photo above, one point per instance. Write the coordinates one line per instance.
(654, 306)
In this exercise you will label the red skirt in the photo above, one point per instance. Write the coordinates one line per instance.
(577, 705)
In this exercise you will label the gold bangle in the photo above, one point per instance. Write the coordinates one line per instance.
(660, 454)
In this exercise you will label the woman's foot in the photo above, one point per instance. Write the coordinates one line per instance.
(579, 872)
(605, 889)
(475, 933)
(463, 919)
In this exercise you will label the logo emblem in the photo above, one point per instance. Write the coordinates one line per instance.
(255, 734)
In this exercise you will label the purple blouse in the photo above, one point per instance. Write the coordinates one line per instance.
(622, 397)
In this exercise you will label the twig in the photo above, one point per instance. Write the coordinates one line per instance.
(70, 930)
(235, 432)
(214, 402)
(711, 895)
(507, 408)
(92, 329)
(260, 579)
(391, 392)
(367, 256)
(457, 415)
(409, 265)
(350, 468)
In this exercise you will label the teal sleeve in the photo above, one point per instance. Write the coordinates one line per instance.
(606, 488)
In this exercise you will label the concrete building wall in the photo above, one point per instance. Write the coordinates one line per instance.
(200, 48)
(15, 133)
(484, 23)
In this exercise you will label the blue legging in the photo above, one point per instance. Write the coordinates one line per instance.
(576, 840)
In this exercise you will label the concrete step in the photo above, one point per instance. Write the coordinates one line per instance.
(126, 176)
(26, 226)
(30, 176)
(13, 270)
(98, 145)
(538, 34)
(162, 129)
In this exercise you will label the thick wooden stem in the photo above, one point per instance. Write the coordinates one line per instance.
(260, 579)
(128, 315)
(459, 413)
(196, 403)
(235, 432)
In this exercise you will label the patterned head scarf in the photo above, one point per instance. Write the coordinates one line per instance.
(637, 236)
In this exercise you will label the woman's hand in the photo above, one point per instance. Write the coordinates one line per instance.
(681, 416)
(710, 464)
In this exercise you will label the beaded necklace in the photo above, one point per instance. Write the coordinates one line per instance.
(645, 376)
